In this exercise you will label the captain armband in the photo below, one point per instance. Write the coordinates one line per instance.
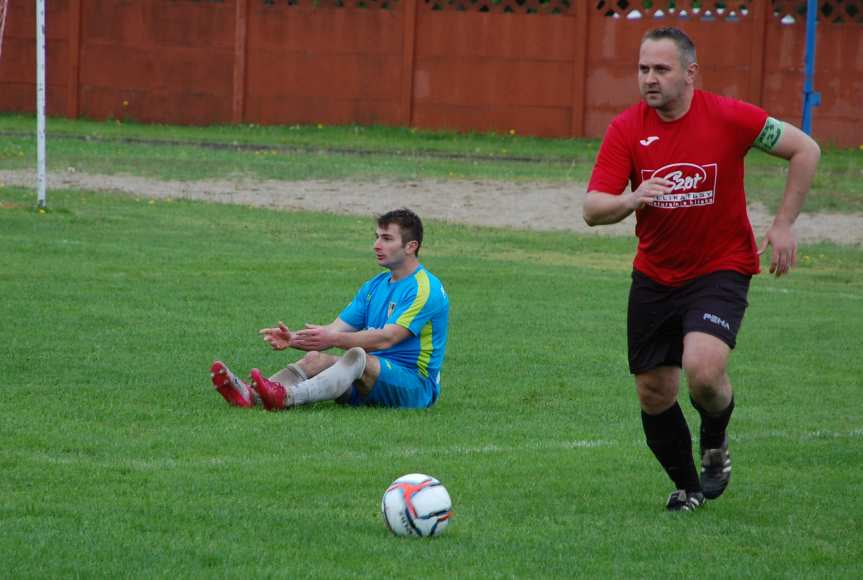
(770, 134)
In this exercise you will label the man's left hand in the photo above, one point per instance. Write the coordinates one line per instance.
(784, 243)
(313, 337)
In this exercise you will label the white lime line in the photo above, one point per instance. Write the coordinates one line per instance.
(819, 293)
(158, 463)
(496, 448)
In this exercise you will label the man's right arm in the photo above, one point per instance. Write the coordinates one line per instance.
(605, 208)
(281, 337)
(340, 334)
(607, 200)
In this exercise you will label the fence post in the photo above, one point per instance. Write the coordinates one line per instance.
(579, 67)
(240, 46)
(74, 65)
(759, 41)
(409, 34)
(811, 98)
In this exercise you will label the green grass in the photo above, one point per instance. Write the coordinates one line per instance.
(324, 152)
(119, 460)
(293, 152)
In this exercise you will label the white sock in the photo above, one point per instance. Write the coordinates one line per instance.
(333, 382)
(290, 375)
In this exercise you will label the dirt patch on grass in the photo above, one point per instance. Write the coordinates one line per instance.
(536, 206)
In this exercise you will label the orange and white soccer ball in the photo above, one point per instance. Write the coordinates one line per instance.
(416, 505)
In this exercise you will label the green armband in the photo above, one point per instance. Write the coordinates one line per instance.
(770, 134)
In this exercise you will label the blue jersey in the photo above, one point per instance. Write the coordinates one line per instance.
(417, 303)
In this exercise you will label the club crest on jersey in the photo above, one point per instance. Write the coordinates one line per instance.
(694, 185)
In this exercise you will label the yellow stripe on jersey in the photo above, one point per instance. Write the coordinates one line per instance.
(425, 350)
(407, 318)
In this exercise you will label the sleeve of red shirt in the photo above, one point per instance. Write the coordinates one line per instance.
(613, 165)
(747, 119)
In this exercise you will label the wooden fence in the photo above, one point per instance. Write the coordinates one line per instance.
(553, 68)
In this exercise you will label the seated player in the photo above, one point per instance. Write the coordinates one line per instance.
(393, 333)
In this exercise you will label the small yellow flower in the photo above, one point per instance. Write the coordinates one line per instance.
(512, 131)
(40, 210)
(320, 126)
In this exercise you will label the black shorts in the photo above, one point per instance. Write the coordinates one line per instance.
(660, 316)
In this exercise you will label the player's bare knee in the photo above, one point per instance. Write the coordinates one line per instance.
(655, 396)
(311, 357)
(313, 362)
(705, 377)
(653, 402)
(370, 375)
(307, 363)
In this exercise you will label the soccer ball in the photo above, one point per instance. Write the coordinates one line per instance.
(416, 505)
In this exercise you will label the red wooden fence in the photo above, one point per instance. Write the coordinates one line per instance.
(554, 68)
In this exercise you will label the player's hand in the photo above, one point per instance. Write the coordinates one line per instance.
(784, 243)
(278, 337)
(313, 337)
(648, 190)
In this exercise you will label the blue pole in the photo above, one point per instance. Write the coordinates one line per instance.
(810, 97)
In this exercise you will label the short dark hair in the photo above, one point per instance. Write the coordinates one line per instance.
(410, 225)
(679, 38)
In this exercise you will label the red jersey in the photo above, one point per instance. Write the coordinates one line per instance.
(702, 225)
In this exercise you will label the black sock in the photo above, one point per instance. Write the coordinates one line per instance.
(713, 426)
(668, 437)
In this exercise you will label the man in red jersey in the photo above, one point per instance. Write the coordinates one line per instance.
(682, 151)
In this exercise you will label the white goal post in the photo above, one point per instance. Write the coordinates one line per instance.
(40, 104)
(40, 92)
(3, 4)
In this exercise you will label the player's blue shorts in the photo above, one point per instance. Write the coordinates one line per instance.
(398, 386)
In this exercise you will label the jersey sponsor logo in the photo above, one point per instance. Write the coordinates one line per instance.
(694, 185)
(649, 140)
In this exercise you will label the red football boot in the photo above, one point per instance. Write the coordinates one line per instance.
(273, 395)
(234, 391)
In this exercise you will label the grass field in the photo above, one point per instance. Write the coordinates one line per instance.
(119, 460)
(368, 153)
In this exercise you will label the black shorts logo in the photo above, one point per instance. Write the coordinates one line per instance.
(716, 320)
